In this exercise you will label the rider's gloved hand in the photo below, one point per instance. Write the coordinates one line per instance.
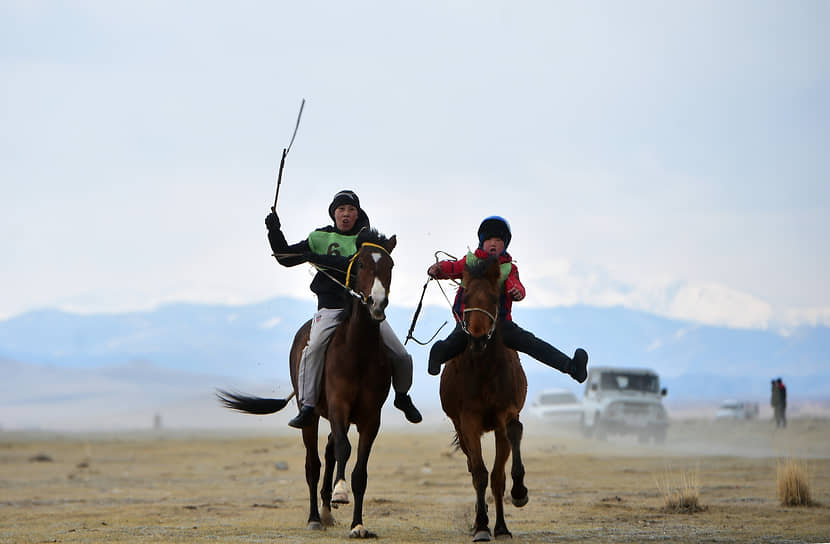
(272, 221)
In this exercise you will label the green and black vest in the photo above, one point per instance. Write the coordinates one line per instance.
(332, 243)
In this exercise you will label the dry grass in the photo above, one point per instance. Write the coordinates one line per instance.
(182, 487)
(793, 485)
(680, 494)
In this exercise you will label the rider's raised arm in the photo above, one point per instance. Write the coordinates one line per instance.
(286, 255)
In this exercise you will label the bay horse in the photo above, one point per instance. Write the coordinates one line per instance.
(356, 380)
(483, 389)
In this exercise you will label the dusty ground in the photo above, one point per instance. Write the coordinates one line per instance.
(193, 487)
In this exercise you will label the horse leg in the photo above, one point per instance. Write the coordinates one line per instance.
(497, 479)
(312, 474)
(368, 432)
(325, 488)
(471, 444)
(518, 494)
(342, 451)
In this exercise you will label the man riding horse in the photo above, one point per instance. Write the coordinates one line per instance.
(330, 249)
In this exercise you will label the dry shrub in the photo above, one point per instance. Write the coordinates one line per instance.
(793, 487)
(682, 497)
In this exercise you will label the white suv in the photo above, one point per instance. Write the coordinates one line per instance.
(624, 401)
(557, 405)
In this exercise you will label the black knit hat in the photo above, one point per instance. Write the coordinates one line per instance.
(494, 227)
(349, 197)
(343, 197)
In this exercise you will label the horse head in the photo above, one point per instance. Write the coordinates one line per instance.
(372, 269)
(481, 301)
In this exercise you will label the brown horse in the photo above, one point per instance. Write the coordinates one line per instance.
(483, 389)
(356, 380)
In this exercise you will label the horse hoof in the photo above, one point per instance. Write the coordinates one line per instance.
(504, 536)
(520, 502)
(359, 531)
(315, 526)
(340, 494)
(482, 536)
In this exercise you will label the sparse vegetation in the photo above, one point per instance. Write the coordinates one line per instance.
(793, 485)
(680, 494)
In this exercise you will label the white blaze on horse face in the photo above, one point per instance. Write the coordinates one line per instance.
(378, 299)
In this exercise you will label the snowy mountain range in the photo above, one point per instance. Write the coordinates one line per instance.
(68, 371)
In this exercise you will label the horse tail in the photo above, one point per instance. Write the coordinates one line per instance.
(251, 405)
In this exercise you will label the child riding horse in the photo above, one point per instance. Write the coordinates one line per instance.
(483, 389)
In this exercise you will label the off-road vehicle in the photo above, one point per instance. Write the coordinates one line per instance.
(624, 401)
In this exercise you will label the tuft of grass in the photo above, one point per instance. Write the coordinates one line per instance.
(793, 484)
(680, 494)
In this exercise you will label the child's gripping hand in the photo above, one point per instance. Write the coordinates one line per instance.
(515, 293)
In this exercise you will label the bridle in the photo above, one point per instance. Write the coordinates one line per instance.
(363, 298)
(485, 312)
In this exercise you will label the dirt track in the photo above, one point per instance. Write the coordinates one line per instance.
(194, 487)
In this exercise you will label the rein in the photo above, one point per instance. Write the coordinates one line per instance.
(421, 303)
(415, 318)
(345, 286)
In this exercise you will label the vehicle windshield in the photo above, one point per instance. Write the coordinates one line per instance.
(621, 381)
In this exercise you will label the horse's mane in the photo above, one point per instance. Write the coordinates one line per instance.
(479, 268)
(371, 236)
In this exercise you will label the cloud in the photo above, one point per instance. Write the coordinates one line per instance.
(558, 283)
(270, 323)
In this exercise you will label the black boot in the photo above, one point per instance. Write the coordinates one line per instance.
(404, 404)
(435, 359)
(304, 418)
(444, 350)
(579, 365)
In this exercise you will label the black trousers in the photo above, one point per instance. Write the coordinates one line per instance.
(513, 337)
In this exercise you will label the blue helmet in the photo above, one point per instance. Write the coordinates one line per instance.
(494, 227)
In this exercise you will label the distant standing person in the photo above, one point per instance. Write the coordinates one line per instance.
(774, 400)
(781, 413)
(778, 401)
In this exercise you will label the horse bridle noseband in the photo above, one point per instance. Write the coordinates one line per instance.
(485, 312)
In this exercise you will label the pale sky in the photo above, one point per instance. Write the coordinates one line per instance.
(670, 157)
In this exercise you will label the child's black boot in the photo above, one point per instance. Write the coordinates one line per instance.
(436, 358)
(579, 365)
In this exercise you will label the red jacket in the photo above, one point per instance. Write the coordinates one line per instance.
(453, 270)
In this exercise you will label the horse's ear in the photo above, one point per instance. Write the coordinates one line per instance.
(391, 243)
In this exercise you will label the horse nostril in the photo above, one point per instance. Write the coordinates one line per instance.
(369, 300)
